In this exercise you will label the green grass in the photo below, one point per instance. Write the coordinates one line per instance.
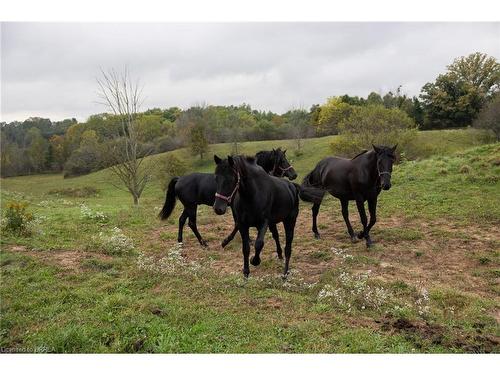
(110, 303)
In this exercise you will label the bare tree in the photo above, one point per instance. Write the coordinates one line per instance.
(298, 120)
(125, 155)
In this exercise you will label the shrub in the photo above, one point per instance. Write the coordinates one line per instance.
(331, 114)
(17, 218)
(374, 124)
(84, 160)
(489, 117)
(171, 166)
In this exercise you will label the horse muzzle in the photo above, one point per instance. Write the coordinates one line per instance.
(220, 209)
(386, 186)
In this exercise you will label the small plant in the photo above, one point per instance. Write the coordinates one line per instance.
(484, 260)
(172, 263)
(298, 153)
(465, 169)
(422, 302)
(342, 253)
(114, 242)
(355, 291)
(88, 214)
(17, 218)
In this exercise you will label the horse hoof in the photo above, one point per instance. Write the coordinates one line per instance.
(255, 261)
(246, 273)
(354, 239)
(369, 244)
(317, 236)
(280, 257)
(285, 275)
(361, 235)
(204, 244)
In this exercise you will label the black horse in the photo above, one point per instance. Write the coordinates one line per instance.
(360, 179)
(261, 201)
(200, 188)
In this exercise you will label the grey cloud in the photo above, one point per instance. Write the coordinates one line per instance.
(50, 69)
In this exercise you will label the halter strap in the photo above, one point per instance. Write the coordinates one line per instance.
(230, 198)
(283, 170)
(287, 168)
(381, 173)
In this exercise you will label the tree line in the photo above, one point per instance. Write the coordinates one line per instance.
(466, 94)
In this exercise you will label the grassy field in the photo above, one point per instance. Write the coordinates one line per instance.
(429, 285)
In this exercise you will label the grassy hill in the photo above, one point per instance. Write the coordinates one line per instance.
(429, 285)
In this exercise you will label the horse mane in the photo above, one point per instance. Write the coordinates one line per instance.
(249, 159)
(242, 161)
(361, 153)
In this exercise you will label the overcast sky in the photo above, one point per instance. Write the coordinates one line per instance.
(49, 70)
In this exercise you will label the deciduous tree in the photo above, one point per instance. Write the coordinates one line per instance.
(123, 98)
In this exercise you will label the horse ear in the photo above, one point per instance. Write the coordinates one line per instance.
(230, 160)
(394, 148)
(375, 148)
(217, 159)
(284, 152)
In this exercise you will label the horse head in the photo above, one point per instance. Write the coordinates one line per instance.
(227, 179)
(385, 159)
(282, 167)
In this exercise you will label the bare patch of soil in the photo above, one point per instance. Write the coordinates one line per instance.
(66, 259)
(472, 343)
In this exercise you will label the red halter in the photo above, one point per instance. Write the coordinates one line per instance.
(283, 170)
(230, 198)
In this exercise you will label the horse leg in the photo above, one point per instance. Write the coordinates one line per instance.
(194, 228)
(362, 215)
(182, 221)
(315, 210)
(230, 237)
(345, 215)
(372, 208)
(245, 249)
(289, 229)
(259, 244)
(232, 234)
(276, 237)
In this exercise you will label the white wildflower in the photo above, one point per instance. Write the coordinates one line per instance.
(89, 214)
(114, 241)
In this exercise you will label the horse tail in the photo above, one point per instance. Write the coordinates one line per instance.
(169, 205)
(310, 194)
(310, 179)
